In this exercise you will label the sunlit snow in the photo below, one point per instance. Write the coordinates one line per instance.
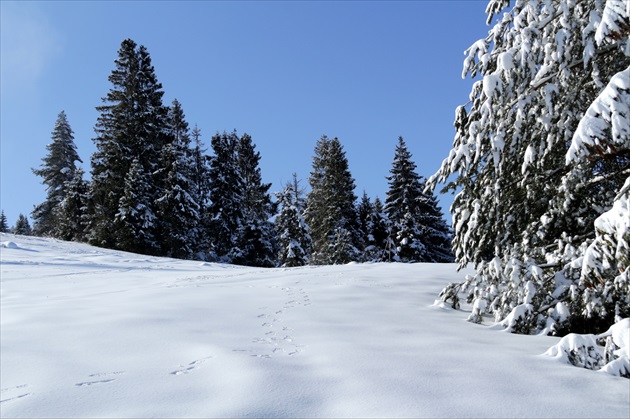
(88, 332)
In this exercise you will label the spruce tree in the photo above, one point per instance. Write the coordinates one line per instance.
(72, 212)
(330, 206)
(57, 171)
(225, 210)
(177, 207)
(539, 161)
(403, 206)
(255, 236)
(135, 218)
(293, 233)
(201, 181)
(4, 224)
(130, 132)
(22, 226)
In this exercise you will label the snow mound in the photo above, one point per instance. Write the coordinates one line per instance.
(607, 352)
(9, 245)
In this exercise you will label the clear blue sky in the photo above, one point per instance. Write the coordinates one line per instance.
(284, 72)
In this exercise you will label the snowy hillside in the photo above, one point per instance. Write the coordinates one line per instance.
(88, 332)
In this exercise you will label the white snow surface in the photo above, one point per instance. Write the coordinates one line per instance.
(89, 332)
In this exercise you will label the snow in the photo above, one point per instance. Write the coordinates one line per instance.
(89, 332)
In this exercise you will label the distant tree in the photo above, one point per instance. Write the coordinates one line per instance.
(22, 226)
(57, 171)
(240, 208)
(378, 226)
(255, 235)
(135, 218)
(130, 131)
(72, 212)
(292, 231)
(403, 207)
(225, 211)
(201, 181)
(4, 224)
(177, 207)
(436, 233)
(330, 206)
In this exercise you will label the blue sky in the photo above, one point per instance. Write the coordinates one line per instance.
(284, 72)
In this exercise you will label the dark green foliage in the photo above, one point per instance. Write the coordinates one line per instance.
(131, 128)
(57, 171)
(22, 226)
(177, 206)
(293, 233)
(330, 206)
(240, 209)
(4, 224)
(135, 219)
(73, 210)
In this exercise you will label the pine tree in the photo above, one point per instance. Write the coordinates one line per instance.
(177, 207)
(292, 231)
(57, 170)
(330, 206)
(540, 159)
(436, 234)
(403, 206)
(130, 131)
(4, 224)
(379, 227)
(22, 226)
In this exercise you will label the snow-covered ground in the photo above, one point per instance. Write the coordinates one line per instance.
(88, 332)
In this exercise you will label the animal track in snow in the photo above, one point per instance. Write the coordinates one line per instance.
(186, 369)
(104, 378)
(13, 393)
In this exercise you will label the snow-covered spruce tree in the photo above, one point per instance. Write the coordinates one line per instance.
(57, 170)
(330, 206)
(292, 232)
(130, 128)
(4, 223)
(177, 206)
(418, 228)
(379, 228)
(72, 212)
(201, 182)
(22, 226)
(402, 204)
(225, 211)
(135, 219)
(255, 243)
(540, 157)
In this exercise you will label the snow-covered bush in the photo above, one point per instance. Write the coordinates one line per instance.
(608, 352)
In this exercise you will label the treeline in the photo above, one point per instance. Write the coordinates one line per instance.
(155, 190)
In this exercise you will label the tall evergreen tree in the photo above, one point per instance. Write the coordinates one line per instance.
(255, 240)
(403, 205)
(201, 181)
(539, 157)
(240, 208)
(4, 224)
(22, 226)
(330, 206)
(57, 171)
(225, 210)
(130, 132)
(177, 207)
(135, 218)
(378, 227)
(292, 231)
